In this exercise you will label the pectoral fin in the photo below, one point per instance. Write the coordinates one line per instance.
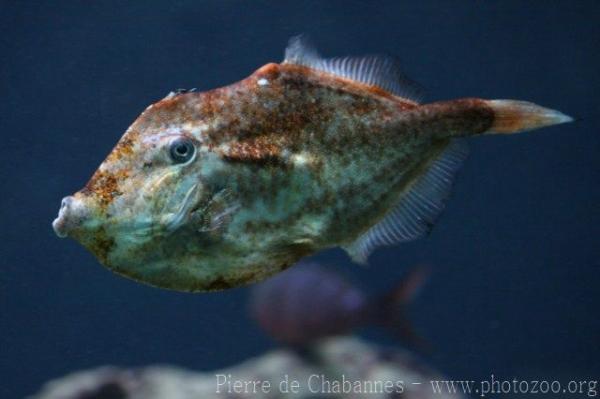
(216, 214)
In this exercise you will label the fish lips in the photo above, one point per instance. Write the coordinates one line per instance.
(71, 216)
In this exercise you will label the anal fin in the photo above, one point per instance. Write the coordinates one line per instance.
(418, 208)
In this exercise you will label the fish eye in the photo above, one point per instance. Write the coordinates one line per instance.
(181, 150)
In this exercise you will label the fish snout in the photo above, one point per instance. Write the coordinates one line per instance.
(71, 215)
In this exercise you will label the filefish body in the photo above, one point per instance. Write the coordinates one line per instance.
(213, 190)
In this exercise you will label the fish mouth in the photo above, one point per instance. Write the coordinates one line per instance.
(74, 216)
(58, 225)
(71, 216)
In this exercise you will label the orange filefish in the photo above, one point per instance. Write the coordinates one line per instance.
(212, 190)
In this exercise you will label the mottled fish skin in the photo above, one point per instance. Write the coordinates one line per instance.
(288, 161)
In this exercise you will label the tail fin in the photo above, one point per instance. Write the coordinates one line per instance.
(512, 116)
(390, 310)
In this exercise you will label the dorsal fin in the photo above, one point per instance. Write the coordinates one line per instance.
(374, 70)
(419, 207)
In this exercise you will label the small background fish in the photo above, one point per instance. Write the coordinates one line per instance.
(309, 302)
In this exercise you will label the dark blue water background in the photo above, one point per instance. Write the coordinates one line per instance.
(515, 290)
